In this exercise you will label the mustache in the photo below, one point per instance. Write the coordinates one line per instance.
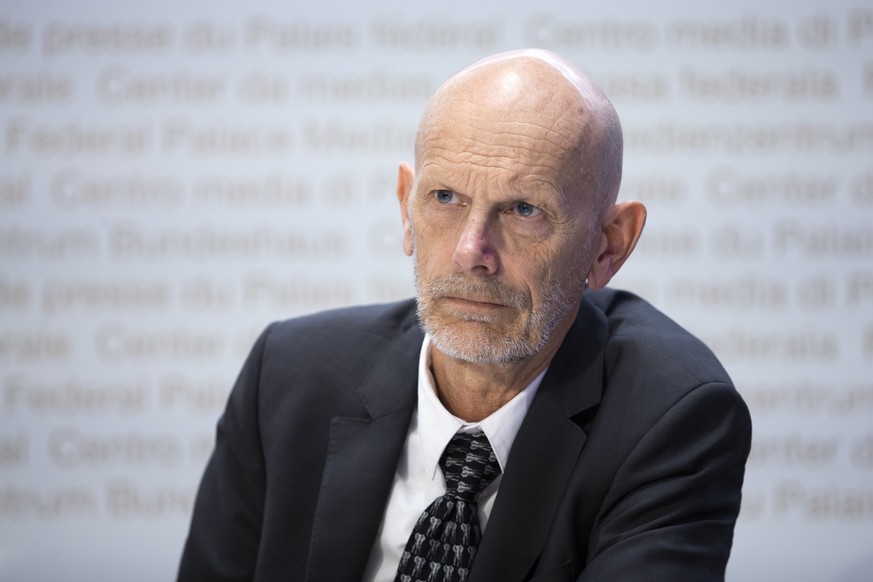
(484, 290)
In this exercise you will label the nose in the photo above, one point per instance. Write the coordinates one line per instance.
(475, 252)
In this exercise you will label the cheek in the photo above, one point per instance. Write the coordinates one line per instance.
(552, 271)
(428, 255)
(437, 228)
(433, 242)
(533, 262)
(525, 274)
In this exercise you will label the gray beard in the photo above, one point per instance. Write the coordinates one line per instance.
(488, 347)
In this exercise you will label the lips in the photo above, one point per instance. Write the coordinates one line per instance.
(485, 302)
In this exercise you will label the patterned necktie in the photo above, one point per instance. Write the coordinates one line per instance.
(443, 542)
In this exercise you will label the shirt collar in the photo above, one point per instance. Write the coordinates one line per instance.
(436, 425)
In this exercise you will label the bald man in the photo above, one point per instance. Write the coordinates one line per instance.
(516, 421)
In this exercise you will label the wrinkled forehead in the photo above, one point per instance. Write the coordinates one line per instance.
(492, 137)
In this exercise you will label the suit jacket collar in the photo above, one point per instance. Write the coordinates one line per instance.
(389, 386)
(575, 377)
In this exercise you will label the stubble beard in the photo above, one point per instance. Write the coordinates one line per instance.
(481, 338)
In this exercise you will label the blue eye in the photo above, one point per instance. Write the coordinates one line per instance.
(525, 209)
(444, 196)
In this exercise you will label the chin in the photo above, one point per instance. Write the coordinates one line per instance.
(477, 343)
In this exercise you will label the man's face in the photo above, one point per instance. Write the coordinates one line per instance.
(501, 235)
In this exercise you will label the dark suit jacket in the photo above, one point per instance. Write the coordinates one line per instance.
(627, 467)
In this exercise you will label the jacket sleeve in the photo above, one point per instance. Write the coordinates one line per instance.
(671, 511)
(225, 532)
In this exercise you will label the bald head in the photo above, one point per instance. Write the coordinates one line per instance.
(571, 118)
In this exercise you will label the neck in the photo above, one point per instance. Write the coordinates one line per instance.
(473, 392)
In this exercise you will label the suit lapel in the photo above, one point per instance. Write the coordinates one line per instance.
(359, 470)
(544, 454)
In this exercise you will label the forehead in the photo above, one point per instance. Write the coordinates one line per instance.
(512, 144)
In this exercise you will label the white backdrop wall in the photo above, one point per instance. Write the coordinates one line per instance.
(176, 175)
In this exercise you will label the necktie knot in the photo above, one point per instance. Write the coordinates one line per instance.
(469, 465)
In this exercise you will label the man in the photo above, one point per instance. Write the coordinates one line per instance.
(609, 443)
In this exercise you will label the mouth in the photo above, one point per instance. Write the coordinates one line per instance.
(475, 303)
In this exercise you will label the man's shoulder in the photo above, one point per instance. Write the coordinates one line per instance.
(340, 327)
(303, 356)
(642, 335)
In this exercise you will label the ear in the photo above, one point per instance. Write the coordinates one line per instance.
(405, 181)
(622, 227)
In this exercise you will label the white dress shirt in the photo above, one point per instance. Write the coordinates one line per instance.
(419, 480)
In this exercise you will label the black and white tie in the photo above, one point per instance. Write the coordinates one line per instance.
(444, 540)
